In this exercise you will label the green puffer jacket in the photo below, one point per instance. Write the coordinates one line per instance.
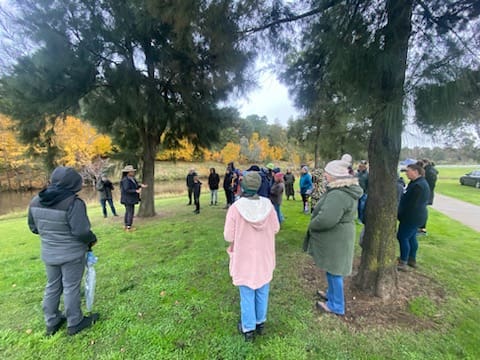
(330, 236)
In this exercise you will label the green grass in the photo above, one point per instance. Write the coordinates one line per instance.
(164, 292)
(449, 184)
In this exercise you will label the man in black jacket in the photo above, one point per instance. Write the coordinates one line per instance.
(190, 183)
(60, 218)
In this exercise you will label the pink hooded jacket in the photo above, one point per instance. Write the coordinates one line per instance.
(250, 227)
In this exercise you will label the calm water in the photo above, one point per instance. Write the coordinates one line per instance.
(11, 201)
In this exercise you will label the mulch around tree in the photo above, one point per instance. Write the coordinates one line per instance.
(365, 312)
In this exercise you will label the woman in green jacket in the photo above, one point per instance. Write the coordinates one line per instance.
(331, 233)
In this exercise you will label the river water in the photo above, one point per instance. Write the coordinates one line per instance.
(13, 201)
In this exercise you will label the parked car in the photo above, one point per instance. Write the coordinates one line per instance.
(471, 179)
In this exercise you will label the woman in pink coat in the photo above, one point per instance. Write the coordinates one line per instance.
(250, 228)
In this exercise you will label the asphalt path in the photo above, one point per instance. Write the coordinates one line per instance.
(466, 213)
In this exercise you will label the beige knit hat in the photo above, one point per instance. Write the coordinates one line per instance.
(339, 168)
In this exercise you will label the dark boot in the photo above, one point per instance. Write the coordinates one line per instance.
(259, 328)
(87, 322)
(249, 335)
(51, 330)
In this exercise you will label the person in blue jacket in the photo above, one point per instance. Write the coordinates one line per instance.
(412, 213)
(306, 187)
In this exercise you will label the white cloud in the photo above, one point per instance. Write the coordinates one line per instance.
(270, 99)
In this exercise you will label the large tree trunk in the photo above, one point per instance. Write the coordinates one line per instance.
(147, 205)
(377, 274)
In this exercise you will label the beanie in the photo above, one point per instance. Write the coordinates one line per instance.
(339, 168)
(251, 183)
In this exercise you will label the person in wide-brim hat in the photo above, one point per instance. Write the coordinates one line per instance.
(128, 168)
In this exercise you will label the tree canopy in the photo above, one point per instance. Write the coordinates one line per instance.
(136, 69)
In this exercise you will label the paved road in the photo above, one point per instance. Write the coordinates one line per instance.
(461, 211)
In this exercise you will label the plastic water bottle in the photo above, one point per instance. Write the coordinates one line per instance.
(90, 280)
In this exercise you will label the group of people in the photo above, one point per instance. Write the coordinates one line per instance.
(252, 221)
(250, 228)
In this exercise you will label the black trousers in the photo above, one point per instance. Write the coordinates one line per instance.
(129, 210)
(190, 194)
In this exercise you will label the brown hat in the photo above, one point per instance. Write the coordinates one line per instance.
(128, 168)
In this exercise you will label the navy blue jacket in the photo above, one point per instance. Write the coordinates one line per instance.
(128, 187)
(413, 204)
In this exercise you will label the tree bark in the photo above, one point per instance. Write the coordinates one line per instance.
(377, 273)
(147, 205)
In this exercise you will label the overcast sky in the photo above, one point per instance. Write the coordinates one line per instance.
(270, 99)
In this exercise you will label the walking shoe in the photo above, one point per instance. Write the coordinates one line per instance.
(130, 228)
(85, 323)
(322, 295)
(259, 328)
(412, 263)
(402, 267)
(322, 307)
(51, 330)
(249, 335)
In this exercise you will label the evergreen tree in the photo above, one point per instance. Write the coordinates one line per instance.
(137, 69)
(379, 56)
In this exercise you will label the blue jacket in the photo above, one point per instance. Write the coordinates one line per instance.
(305, 183)
(413, 203)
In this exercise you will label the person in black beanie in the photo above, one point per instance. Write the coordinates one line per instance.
(59, 216)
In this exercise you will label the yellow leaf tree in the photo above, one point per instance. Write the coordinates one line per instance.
(13, 157)
(79, 143)
(230, 152)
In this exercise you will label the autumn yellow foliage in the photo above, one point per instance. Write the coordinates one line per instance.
(12, 152)
(78, 142)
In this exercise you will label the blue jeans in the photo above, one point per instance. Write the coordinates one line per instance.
(103, 202)
(279, 213)
(362, 202)
(336, 299)
(253, 306)
(407, 237)
(213, 197)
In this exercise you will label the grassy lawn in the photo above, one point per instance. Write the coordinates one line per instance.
(164, 292)
(449, 184)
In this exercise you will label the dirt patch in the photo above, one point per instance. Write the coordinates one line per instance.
(404, 310)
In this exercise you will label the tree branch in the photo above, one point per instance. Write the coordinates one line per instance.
(449, 28)
(286, 20)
